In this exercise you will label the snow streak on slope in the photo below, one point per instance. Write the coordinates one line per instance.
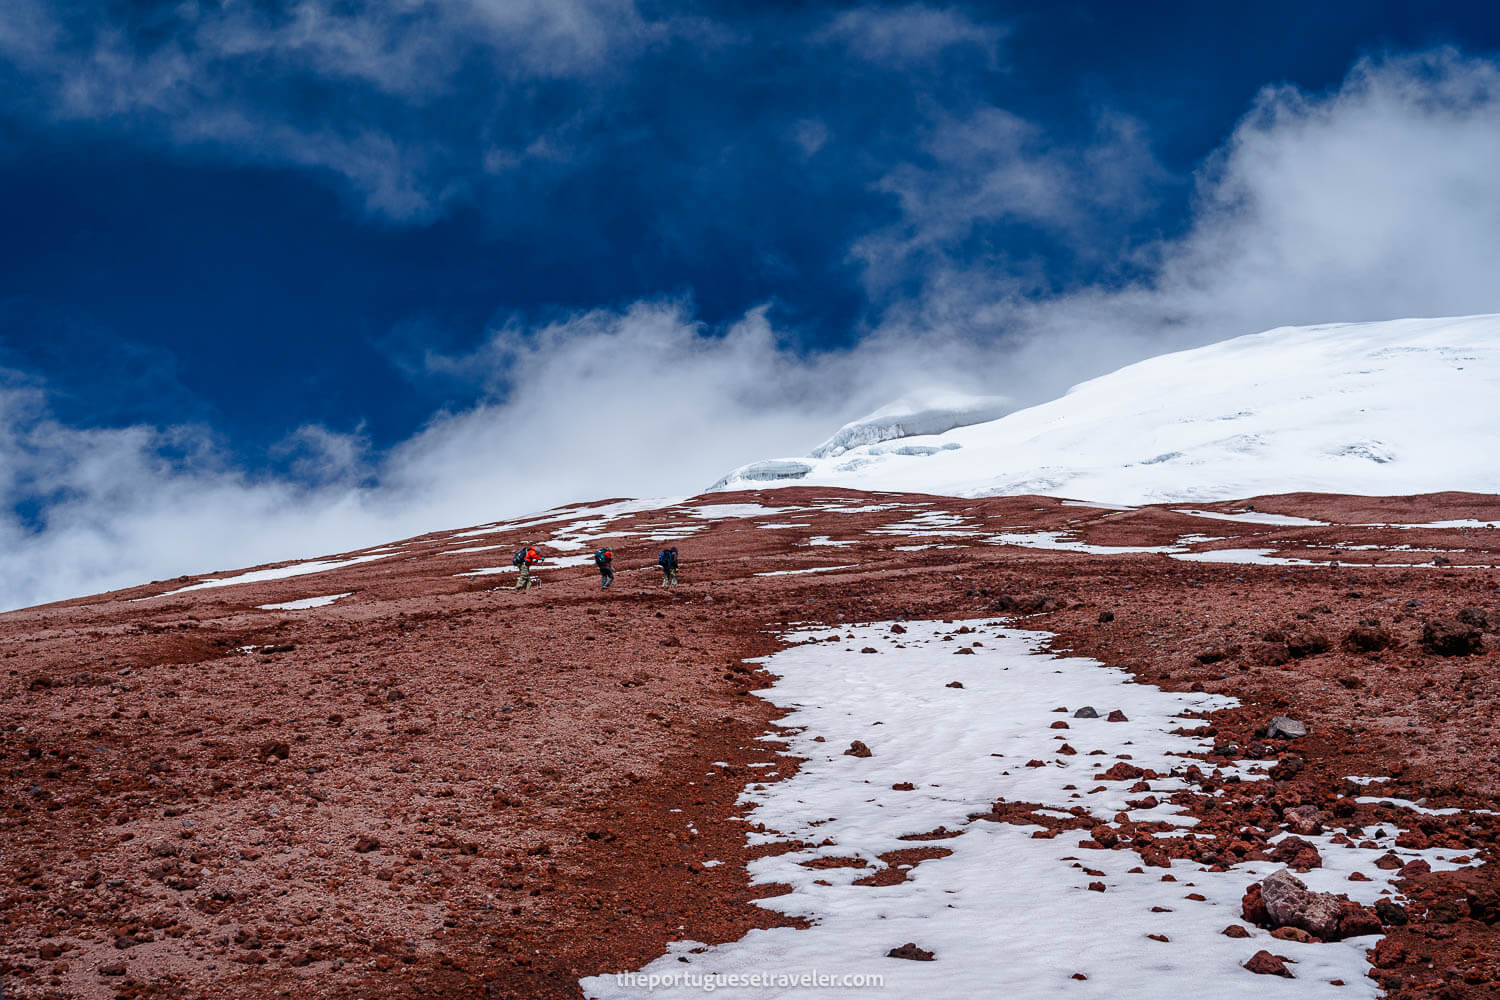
(1397, 407)
(1006, 914)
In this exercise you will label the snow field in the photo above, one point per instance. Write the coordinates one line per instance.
(1007, 916)
(1377, 409)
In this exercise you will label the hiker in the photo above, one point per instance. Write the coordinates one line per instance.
(523, 560)
(668, 563)
(604, 559)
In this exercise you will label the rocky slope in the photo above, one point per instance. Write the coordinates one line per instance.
(427, 786)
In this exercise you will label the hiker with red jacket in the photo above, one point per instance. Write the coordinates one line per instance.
(525, 559)
(604, 559)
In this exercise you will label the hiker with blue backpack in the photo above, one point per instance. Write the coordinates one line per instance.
(604, 559)
(668, 563)
(523, 560)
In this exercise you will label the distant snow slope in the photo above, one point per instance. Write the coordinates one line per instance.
(932, 413)
(1389, 408)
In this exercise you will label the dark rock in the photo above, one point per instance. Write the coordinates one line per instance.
(365, 844)
(869, 649)
(1287, 767)
(1445, 637)
(955, 684)
(911, 952)
(898, 629)
(1485, 621)
(858, 749)
(1294, 852)
(1106, 616)
(1235, 931)
(1086, 712)
(1116, 716)
(1272, 654)
(1027, 604)
(1414, 868)
(1304, 644)
(1264, 963)
(275, 748)
(1391, 914)
(112, 969)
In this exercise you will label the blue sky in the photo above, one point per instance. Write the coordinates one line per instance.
(321, 270)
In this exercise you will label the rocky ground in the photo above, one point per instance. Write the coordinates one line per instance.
(431, 787)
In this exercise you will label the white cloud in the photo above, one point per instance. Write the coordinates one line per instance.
(643, 402)
(1373, 201)
(909, 35)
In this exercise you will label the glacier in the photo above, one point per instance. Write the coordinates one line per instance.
(1385, 408)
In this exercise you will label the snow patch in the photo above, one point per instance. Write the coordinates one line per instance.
(306, 602)
(1005, 914)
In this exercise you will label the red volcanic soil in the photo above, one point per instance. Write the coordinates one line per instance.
(435, 788)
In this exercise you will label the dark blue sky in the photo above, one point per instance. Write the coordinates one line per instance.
(161, 266)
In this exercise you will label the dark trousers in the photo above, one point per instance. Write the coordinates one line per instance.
(606, 576)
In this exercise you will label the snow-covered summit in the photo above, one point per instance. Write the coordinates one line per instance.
(1388, 408)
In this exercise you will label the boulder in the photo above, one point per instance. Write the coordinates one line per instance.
(1283, 727)
(1303, 820)
(1446, 637)
(1308, 643)
(1294, 852)
(1290, 903)
(1367, 639)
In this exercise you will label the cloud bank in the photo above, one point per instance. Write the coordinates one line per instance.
(1371, 201)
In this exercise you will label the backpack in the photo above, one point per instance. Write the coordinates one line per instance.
(602, 557)
(671, 558)
(519, 559)
(661, 560)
